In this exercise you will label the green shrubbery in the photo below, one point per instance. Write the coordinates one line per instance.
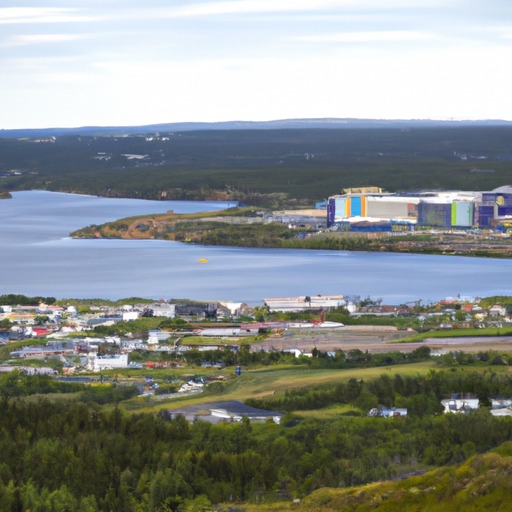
(92, 460)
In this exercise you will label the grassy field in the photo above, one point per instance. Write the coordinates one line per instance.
(455, 333)
(267, 382)
(330, 412)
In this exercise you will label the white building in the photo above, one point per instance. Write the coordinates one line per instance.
(305, 303)
(501, 403)
(130, 315)
(498, 310)
(461, 403)
(165, 310)
(394, 412)
(98, 363)
(501, 406)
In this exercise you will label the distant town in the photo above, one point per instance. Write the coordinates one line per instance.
(72, 337)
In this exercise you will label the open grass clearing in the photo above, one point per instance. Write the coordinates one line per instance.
(331, 412)
(267, 382)
(456, 333)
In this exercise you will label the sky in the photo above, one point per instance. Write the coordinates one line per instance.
(127, 62)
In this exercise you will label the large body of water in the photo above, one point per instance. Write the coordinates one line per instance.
(38, 258)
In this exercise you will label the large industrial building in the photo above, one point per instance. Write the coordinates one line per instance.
(366, 210)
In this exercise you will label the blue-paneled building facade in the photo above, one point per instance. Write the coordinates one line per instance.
(371, 211)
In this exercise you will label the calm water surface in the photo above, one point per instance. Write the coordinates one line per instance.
(38, 258)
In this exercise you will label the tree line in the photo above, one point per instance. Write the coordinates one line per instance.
(16, 384)
(420, 394)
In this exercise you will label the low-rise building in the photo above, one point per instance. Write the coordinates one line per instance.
(98, 363)
(53, 348)
(501, 407)
(384, 412)
(129, 316)
(461, 403)
(305, 303)
(226, 411)
(498, 310)
(165, 310)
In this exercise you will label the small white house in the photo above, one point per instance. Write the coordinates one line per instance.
(394, 412)
(98, 363)
(165, 310)
(498, 310)
(501, 403)
(128, 316)
(461, 403)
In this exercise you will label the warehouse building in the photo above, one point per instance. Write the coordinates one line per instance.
(379, 211)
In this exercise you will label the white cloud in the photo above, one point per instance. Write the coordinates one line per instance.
(36, 64)
(41, 15)
(253, 6)
(65, 78)
(368, 36)
(43, 38)
(276, 6)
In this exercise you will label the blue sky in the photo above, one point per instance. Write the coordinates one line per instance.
(114, 62)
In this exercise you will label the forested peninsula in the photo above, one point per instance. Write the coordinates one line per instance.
(236, 227)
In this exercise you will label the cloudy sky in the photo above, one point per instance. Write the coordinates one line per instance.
(114, 62)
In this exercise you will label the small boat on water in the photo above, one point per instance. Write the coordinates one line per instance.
(202, 260)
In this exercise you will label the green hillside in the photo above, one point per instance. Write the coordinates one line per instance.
(308, 164)
(481, 483)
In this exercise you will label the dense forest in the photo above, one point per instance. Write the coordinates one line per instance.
(73, 456)
(308, 164)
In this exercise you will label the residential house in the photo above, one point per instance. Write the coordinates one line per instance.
(97, 363)
(461, 403)
(384, 412)
(165, 310)
(501, 406)
(498, 310)
(129, 316)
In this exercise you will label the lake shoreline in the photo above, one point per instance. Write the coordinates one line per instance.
(239, 227)
(41, 260)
